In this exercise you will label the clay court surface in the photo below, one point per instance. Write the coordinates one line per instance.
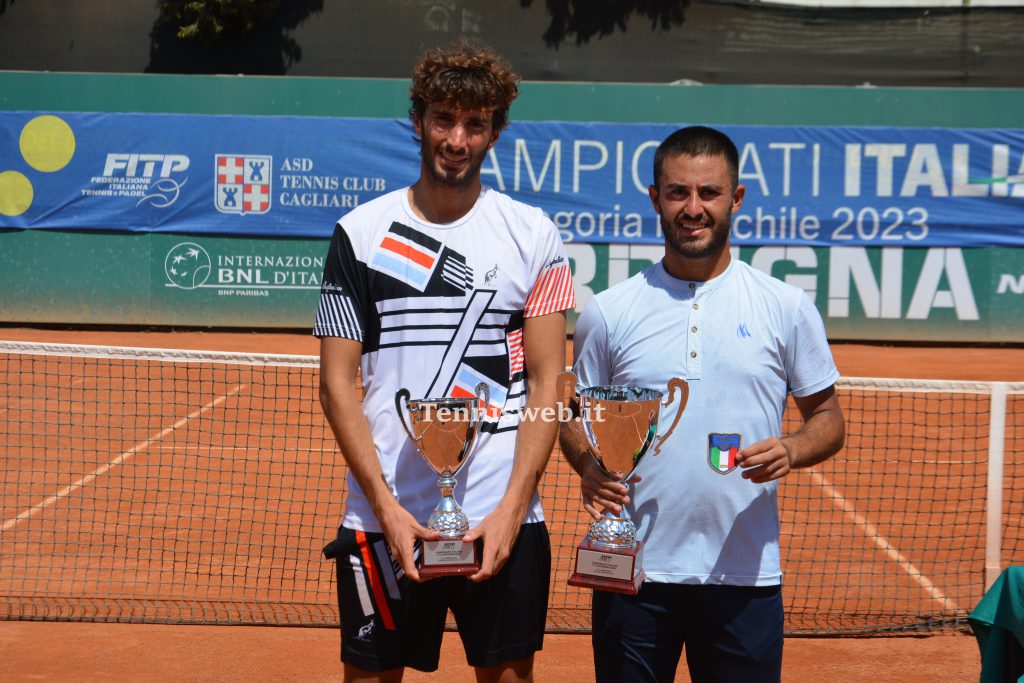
(90, 651)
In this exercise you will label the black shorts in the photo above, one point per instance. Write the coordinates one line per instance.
(389, 621)
(731, 633)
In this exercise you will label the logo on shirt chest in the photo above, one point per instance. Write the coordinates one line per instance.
(722, 451)
(422, 262)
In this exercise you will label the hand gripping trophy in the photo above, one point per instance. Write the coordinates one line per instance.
(443, 431)
(620, 423)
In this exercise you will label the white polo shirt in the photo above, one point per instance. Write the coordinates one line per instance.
(742, 341)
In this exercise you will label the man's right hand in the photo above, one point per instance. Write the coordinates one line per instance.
(601, 491)
(339, 396)
(401, 531)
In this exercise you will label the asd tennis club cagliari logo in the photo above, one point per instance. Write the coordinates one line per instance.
(242, 183)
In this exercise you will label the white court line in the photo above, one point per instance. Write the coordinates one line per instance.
(883, 544)
(142, 445)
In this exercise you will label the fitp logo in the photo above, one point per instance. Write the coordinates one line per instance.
(187, 265)
(47, 144)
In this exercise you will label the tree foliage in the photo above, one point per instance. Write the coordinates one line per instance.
(208, 20)
(584, 19)
(227, 36)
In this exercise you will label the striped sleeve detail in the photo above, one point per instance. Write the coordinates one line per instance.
(336, 317)
(516, 356)
(553, 292)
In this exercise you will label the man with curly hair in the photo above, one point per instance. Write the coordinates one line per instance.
(436, 288)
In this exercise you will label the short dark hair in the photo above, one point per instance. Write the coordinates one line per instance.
(698, 141)
(464, 74)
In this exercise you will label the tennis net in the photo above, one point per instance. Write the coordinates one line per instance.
(147, 485)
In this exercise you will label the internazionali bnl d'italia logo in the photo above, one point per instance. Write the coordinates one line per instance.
(188, 265)
(243, 183)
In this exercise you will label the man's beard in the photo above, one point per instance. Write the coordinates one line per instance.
(693, 249)
(460, 179)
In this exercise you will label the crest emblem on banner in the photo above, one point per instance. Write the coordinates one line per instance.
(722, 451)
(243, 183)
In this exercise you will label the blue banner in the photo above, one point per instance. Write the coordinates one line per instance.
(296, 176)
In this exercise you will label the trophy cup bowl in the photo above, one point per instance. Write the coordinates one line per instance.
(444, 431)
(620, 424)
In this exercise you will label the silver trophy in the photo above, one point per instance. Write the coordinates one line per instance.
(620, 423)
(444, 431)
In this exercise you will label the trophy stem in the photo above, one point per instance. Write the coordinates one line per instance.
(448, 518)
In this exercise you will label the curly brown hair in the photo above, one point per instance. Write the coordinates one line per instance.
(465, 75)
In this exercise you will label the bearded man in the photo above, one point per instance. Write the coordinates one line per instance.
(706, 506)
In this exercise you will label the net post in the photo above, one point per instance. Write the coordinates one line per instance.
(994, 498)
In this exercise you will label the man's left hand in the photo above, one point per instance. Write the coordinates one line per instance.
(765, 461)
(498, 531)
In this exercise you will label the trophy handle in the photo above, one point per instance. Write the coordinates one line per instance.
(476, 417)
(483, 396)
(684, 396)
(565, 385)
(400, 396)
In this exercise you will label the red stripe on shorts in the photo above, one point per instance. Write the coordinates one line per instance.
(375, 584)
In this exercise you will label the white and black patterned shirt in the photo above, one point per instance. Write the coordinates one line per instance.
(438, 309)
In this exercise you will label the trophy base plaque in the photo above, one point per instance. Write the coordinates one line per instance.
(618, 570)
(448, 558)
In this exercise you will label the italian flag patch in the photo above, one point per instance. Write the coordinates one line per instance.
(722, 451)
